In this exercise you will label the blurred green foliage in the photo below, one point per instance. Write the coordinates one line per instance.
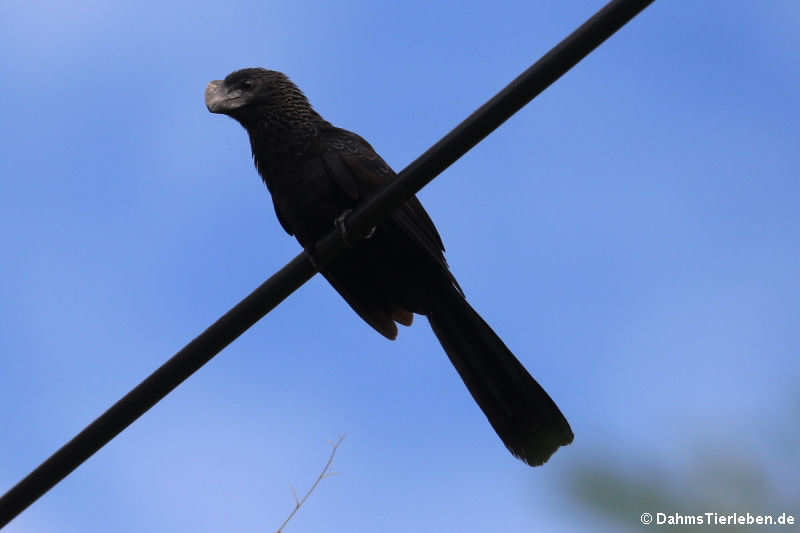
(723, 478)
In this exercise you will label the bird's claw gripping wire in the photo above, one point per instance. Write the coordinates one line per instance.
(309, 250)
(341, 225)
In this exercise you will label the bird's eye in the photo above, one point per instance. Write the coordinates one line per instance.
(246, 84)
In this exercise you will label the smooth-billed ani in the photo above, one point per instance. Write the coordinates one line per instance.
(316, 172)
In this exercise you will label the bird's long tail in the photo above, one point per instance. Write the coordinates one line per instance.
(520, 411)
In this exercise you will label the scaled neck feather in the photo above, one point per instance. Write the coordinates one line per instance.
(281, 131)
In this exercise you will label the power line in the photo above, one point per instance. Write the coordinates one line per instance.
(273, 291)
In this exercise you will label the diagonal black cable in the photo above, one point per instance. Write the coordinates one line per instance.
(273, 291)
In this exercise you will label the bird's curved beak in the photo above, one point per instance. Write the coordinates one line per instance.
(218, 100)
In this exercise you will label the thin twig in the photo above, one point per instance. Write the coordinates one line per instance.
(322, 475)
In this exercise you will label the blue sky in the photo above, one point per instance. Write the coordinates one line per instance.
(631, 234)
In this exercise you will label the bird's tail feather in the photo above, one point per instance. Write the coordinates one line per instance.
(524, 416)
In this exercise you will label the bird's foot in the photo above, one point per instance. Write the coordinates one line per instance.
(311, 254)
(341, 225)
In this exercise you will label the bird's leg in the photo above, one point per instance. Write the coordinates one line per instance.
(311, 254)
(339, 222)
(341, 225)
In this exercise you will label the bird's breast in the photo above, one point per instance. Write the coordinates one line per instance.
(307, 200)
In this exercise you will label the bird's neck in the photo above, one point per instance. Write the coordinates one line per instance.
(279, 138)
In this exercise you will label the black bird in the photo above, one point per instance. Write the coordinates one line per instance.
(315, 173)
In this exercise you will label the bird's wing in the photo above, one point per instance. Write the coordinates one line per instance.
(361, 172)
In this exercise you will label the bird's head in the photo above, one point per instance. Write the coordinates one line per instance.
(245, 91)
